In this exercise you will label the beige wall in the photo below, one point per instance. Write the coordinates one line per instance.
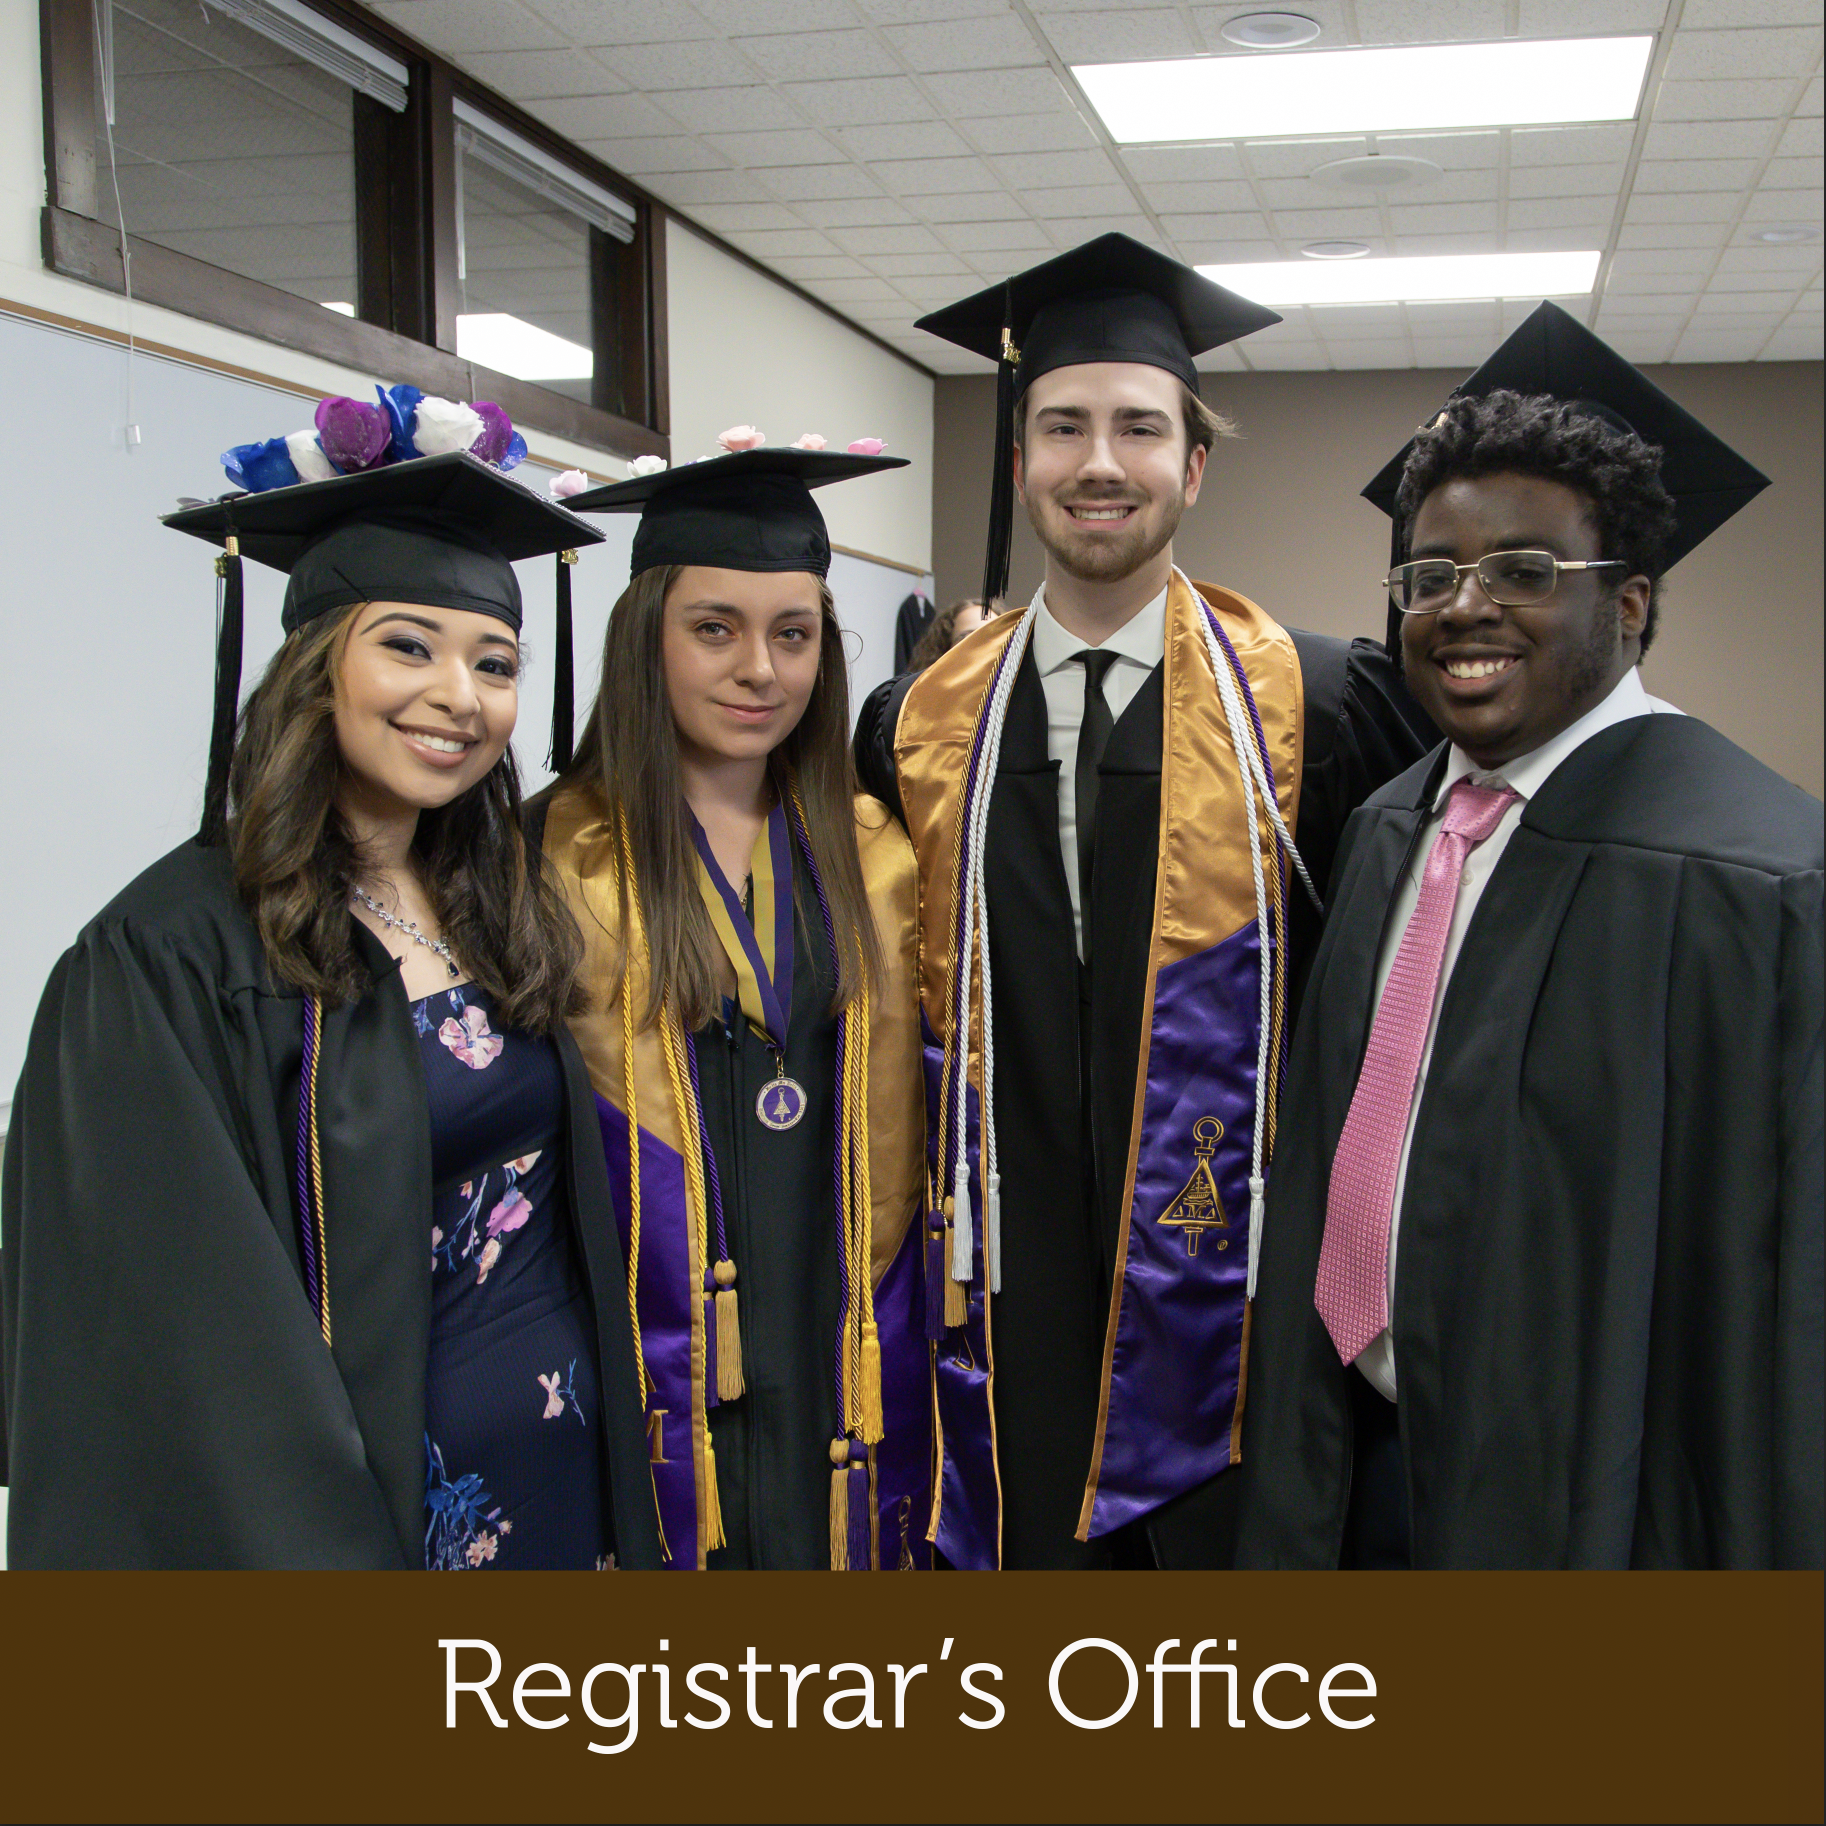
(1281, 521)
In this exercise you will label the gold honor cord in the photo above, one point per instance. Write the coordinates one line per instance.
(314, 1014)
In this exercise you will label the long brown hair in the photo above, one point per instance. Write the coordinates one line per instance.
(295, 861)
(628, 758)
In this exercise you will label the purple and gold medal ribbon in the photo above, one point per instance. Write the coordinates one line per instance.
(760, 950)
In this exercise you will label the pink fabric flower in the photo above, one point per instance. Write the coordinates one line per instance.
(554, 1402)
(491, 1253)
(525, 1163)
(648, 465)
(868, 446)
(471, 1039)
(810, 441)
(572, 482)
(741, 437)
(509, 1214)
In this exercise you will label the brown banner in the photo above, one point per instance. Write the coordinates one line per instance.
(1026, 1697)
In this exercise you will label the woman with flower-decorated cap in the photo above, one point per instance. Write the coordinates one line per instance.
(752, 1033)
(309, 1258)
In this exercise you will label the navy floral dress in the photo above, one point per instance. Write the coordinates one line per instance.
(512, 1463)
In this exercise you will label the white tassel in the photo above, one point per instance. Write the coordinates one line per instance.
(992, 1231)
(1257, 1204)
(961, 1246)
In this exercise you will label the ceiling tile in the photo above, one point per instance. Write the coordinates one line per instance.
(1646, 284)
(1786, 51)
(1408, 243)
(765, 243)
(1674, 207)
(1722, 100)
(910, 238)
(1802, 139)
(853, 212)
(1673, 234)
(1444, 218)
(1813, 97)
(1784, 206)
(1430, 21)
(1182, 164)
(999, 92)
(714, 110)
(1078, 200)
(859, 101)
(936, 177)
(944, 268)
(731, 18)
(1227, 251)
(1450, 151)
(674, 153)
(1709, 139)
(1743, 286)
(1750, 12)
(753, 151)
(1551, 18)
(1569, 145)
(735, 218)
(588, 117)
(610, 21)
(1355, 322)
(1802, 259)
(1719, 345)
(1793, 342)
(1645, 346)
(1041, 170)
(1024, 133)
(826, 269)
(1572, 181)
(1290, 357)
(1794, 174)
(803, 57)
(457, 27)
(926, 12)
(1592, 213)
(1550, 240)
(966, 44)
(1339, 222)
(1204, 198)
(801, 183)
(1460, 316)
(1297, 158)
(1118, 36)
(1692, 174)
(1370, 354)
(1697, 261)
(864, 291)
(966, 206)
(530, 76)
(1451, 351)
(1328, 15)
(921, 139)
(687, 189)
(707, 64)
(997, 237)
(1134, 224)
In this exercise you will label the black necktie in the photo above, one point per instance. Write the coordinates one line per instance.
(1093, 738)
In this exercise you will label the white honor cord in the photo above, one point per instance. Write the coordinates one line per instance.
(976, 936)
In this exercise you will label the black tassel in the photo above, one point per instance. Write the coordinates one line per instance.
(564, 704)
(214, 828)
(1397, 541)
(1001, 487)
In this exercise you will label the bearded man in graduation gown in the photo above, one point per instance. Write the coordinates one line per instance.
(1541, 1277)
(1106, 785)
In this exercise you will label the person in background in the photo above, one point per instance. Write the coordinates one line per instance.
(911, 625)
(309, 1259)
(1105, 785)
(1541, 1278)
(950, 626)
(753, 1032)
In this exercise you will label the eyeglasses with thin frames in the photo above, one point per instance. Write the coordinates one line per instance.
(1513, 580)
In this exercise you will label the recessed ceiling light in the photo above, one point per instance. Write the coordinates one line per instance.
(1335, 250)
(1782, 235)
(510, 345)
(1270, 31)
(1398, 280)
(1377, 171)
(1402, 88)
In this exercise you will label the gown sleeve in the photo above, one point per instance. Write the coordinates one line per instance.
(169, 1399)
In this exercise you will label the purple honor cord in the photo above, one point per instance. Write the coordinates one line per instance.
(776, 989)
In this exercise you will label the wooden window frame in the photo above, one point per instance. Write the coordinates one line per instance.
(406, 249)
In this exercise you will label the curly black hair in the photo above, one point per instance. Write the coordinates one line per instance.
(1517, 434)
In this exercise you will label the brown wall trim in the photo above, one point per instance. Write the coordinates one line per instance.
(893, 564)
(90, 251)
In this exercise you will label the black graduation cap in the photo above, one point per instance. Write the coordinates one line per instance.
(441, 530)
(1552, 353)
(1113, 299)
(751, 510)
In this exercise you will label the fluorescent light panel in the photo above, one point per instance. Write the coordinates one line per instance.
(1410, 280)
(1403, 89)
(510, 345)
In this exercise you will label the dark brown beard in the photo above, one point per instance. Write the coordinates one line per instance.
(1114, 561)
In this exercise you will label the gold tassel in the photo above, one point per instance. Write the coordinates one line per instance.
(872, 1428)
(713, 1522)
(840, 1505)
(729, 1383)
(957, 1294)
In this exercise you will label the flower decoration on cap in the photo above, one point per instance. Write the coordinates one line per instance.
(810, 441)
(868, 446)
(646, 465)
(741, 437)
(351, 437)
(571, 482)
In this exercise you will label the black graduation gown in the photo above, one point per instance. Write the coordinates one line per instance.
(1062, 1175)
(169, 1401)
(1607, 1315)
(772, 1445)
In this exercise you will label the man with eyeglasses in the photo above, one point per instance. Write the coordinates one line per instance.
(1540, 1282)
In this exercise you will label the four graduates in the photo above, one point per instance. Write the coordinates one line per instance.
(812, 1179)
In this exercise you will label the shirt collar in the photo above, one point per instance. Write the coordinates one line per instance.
(1140, 641)
(1528, 773)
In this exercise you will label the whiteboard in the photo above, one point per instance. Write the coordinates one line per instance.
(106, 737)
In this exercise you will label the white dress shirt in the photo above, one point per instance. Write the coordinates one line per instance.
(1525, 776)
(1139, 645)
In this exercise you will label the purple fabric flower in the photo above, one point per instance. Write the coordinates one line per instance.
(401, 407)
(258, 467)
(498, 439)
(353, 436)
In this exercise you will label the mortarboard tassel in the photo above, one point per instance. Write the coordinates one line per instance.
(713, 1501)
(214, 827)
(1001, 488)
(1396, 541)
(729, 1383)
(564, 706)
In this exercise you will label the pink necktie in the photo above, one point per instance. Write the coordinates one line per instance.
(1352, 1293)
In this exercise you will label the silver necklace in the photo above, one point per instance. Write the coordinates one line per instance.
(412, 929)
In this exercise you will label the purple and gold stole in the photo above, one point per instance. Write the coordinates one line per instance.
(662, 1177)
(1176, 1344)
